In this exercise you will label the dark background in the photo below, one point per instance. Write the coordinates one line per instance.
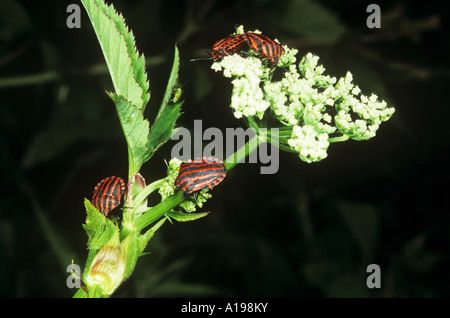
(310, 230)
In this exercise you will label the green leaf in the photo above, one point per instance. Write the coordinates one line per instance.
(136, 130)
(169, 110)
(98, 227)
(144, 238)
(173, 81)
(186, 217)
(134, 244)
(126, 67)
(163, 128)
(130, 246)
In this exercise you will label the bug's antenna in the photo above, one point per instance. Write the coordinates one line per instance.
(201, 59)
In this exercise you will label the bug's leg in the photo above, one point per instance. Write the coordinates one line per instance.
(201, 59)
(224, 52)
(249, 53)
(115, 219)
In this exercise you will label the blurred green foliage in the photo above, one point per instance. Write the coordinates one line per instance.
(308, 231)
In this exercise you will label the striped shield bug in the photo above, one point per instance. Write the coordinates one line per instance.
(107, 194)
(227, 46)
(265, 47)
(196, 175)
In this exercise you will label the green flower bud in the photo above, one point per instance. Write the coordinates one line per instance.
(107, 269)
(202, 197)
(168, 187)
(240, 29)
(191, 206)
(188, 206)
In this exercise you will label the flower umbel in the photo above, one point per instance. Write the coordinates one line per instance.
(310, 145)
(311, 109)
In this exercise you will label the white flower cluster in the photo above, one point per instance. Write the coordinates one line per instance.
(314, 105)
(247, 98)
(299, 98)
(369, 110)
(310, 145)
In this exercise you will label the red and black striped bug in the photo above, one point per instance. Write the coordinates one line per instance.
(107, 194)
(238, 43)
(265, 47)
(226, 46)
(229, 45)
(196, 175)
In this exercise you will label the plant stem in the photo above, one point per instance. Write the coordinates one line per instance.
(162, 208)
(338, 139)
(80, 293)
(252, 123)
(128, 214)
(158, 211)
(242, 152)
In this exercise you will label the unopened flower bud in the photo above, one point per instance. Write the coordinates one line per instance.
(108, 267)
